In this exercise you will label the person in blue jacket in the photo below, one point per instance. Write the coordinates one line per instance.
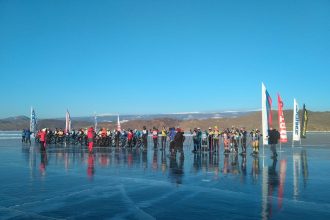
(28, 136)
(171, 135)
(23, 136)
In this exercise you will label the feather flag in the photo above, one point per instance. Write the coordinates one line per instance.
(281, 121)
(296, 122)
(304, 122)
(267, 117)
(67, 122)
(33, 121)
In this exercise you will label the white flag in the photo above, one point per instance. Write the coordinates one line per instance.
(267, 118)
(67, 122)
(296, 122)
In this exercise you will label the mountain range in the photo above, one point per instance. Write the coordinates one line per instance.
(318, 121)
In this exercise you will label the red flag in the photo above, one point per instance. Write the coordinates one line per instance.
(281, 121)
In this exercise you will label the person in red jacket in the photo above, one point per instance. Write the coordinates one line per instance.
(42, 138)
(130, 138)
(90, 137)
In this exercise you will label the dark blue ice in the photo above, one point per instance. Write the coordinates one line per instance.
(68, 183)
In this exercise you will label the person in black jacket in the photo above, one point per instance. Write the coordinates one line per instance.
(273, 137)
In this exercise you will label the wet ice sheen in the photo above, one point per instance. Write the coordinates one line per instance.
(68, 183)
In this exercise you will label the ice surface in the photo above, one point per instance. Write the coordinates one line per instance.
(68, 183)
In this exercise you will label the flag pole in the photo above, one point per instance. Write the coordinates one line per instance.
(31, 121)
(95, 121)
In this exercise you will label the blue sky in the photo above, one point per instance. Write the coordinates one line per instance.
(168, 56)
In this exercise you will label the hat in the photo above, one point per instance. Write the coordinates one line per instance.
(198, 128)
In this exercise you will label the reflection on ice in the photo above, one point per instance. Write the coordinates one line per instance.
(90, 167)
(176, 169)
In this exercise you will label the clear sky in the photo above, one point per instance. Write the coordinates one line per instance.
(161, 56)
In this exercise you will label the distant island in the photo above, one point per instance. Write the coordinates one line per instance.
(318, 121)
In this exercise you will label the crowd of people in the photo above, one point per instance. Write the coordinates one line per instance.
(233, 140)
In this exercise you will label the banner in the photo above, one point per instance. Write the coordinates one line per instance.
(267, 117)
(67, 122)
(281, 121)
(304, 122)
(296, 122)
(33, 121)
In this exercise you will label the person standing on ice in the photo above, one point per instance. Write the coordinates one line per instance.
(155, 136)
(255, 136)
(163, 138)
(90, 137)
(243, 135)
(171, 136)
(145, 137)
(42, 137)
(28, 136)
(179, 138)
(273, 137)
(23, 135)
(195, 139)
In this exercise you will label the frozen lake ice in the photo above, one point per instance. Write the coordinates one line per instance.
(66, 182)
